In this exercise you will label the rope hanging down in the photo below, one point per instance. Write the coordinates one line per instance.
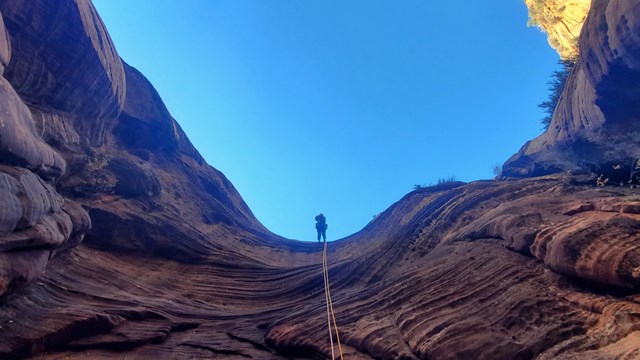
(330, 314)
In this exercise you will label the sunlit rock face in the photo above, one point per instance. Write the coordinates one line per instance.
(596, 124)
(83, 137)
(562, 21)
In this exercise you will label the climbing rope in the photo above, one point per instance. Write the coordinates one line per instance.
(326, 296)
(330, 313)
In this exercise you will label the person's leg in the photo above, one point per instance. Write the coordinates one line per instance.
(319, 235)
(324, 235)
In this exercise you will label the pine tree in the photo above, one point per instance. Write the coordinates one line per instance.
(555, 86)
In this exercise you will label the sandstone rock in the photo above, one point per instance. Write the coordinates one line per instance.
(11, 205)
(562, 21)
(595, 123)
(162, 187)
(600, 247)
(20, 145)
(177, 266)
(5, 46)
(22, 268)
(145, 121)
(133, 179)
(34, 220)
(54, 44)
(420, 281)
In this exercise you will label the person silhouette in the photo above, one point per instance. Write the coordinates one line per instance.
(321, 227)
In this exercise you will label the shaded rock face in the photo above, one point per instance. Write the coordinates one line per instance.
(595, 125)
(35, 221)
(83, 135)
(174, 265)
(54, 44)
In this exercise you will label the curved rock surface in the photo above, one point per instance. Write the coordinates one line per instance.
(595, 125)
(34, 219)
(453, 272)
(175, 265)
(562, 21)
(64, 59)
(71, 108)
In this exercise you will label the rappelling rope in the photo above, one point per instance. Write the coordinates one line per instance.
(330, 313)
(326, 296)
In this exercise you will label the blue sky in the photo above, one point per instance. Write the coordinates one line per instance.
(342, 106)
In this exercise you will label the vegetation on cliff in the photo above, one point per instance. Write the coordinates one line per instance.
(556, 86)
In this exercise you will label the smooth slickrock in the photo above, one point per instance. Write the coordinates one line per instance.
(416, 283)
(63, 58)
(176, 266)
(595, 125)
(21, 146)
(33, 220)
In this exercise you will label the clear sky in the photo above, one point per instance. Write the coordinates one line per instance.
(340, 106)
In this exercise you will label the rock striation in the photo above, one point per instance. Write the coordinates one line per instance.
(136, 248)
(595, 125)
(85, 136)
(562, 20)
(35, 221)
(487, 270)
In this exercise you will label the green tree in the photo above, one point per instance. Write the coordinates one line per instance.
(555, 86)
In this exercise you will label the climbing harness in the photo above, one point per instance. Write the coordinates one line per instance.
(330, 314)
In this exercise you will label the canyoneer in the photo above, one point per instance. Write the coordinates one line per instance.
(321, 227)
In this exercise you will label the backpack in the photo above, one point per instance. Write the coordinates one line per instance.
(321, 222)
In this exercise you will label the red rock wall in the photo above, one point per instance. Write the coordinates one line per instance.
(596, 122)
(82, 133)
(451, 272)
(34, 219)
(176, 266)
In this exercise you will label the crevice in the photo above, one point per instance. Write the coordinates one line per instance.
(249, 341)
(597, 288)
(215, 351)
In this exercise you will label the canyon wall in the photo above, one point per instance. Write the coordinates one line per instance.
(86, 137)
(562, 20)
(118, 240)
(594, 128)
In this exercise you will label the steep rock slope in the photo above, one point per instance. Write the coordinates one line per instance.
(595, 125)
(460, 271)
(85, 134)
(35, 220)
(176, 266)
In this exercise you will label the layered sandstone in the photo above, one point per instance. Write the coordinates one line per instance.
(85, 134)
(174, 265)
(595, 125)
(487, 270)
(35, 221)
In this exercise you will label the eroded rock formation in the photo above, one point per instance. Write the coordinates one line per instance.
(35, 220)
(595, 125)
(174, 265)
(540, 268)
(84, 133)
(562, 21)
